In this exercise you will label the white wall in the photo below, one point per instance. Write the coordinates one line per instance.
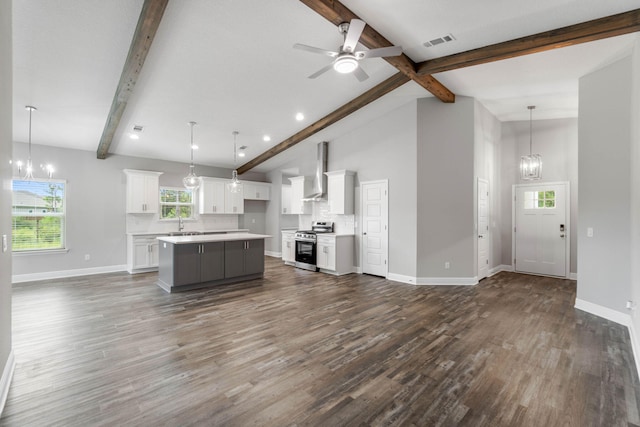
(557, 142)
(635, 195)
(6, 108)
(604, 163)
(96, 219)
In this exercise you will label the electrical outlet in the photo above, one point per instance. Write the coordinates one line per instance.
(447, 265)
(589, 232)
(87, 257)
(4, 243)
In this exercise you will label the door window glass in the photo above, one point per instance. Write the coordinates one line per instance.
(539, 199)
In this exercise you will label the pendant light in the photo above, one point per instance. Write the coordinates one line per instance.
(29, 166)
(235, 186)
(191, 181)
(531, 165)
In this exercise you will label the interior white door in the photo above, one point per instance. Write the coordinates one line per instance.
(483, 228)
(375, 233)
(541, 229)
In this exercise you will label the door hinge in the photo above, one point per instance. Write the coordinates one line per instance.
(487, 262)
(514, 261)
(514, 229)
(385, 262)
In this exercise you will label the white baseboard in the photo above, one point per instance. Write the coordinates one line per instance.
(604, 312)
(446, 281)
(401, 278)
(635, 346)
(5, 380)
(573, 276)
(19, 278)
(499, 268)
(273, 254)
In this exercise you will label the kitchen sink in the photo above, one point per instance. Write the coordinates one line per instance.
(184, 233)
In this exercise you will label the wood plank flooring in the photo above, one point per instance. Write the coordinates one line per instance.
(308, 349)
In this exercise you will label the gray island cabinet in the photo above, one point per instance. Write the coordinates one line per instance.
(190, 262)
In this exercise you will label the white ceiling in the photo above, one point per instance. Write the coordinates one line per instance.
(229, 65)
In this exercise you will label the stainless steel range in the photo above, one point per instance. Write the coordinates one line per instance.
(306, 243)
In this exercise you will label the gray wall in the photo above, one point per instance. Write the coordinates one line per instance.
(635, 187)
(254, 217)
(382, 149)
(6, 106)
(604, 195)
(96, 219)
(557, 142)
(446, 215)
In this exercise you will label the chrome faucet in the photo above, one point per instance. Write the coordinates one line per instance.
(180, 224)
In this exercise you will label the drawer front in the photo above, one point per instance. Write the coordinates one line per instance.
(327, 241)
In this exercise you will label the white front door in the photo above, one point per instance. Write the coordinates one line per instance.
(375, 219)
(483, 228)
(542, 229)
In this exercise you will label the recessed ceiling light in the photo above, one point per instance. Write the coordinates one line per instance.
(134, 136)
(136, 132)
(266, 138)
(194, 147)
(299, 117)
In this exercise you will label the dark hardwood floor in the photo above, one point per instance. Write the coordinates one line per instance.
(302, 348)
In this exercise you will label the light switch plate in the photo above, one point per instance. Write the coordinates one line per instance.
(4, 243)
(589, 232)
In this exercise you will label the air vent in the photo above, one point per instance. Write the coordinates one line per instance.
(137, 128)
(440, 40)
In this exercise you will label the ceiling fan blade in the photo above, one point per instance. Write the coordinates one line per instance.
(381, 52)
(360, 74)
(315, 50)
(356, 27)
(320, 71)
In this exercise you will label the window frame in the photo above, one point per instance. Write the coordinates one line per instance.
(177, 204)
(63, 215)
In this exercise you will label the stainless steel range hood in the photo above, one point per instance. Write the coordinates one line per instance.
(320, 179)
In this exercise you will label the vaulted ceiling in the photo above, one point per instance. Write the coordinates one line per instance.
(229, 65)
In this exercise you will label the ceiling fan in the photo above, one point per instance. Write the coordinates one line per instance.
(346, 59)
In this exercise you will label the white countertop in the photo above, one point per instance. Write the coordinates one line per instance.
(203, 238)
(164, 233)
(322, 234)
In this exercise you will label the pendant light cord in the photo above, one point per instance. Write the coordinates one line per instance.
(531, 107)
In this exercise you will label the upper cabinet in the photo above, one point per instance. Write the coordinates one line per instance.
(143, 191)
(300, 187)
(257, 190)
(340, 192)
(215, 197)
(286, 200)
(211, 196)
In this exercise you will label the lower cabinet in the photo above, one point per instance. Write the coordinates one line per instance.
(288, 247)
(335, 254)
(142, 253)
(198, 262)
(243, 257)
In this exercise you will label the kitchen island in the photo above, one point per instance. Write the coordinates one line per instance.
(191, 262)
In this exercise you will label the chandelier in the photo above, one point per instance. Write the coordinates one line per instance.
(531, 165)
(48, 168)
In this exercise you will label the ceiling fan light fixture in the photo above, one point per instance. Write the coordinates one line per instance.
(345, 64)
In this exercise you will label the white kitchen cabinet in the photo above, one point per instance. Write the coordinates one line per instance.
(234, 202)
(257, 190)
(300, 187)
(288, 247)
(211, 196)
(286, 200)
(142, 253)
(340, 192)
(143, 191)
(334, 254)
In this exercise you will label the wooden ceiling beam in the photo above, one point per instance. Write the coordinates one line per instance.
(148, 23)
(337, 13)
(369, 96)
(610, 26)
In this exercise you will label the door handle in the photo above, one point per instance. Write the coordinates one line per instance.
(480, 236)
(364, 234)
(562, 235)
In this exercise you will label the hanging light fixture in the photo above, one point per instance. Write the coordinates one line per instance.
(191, 181)
(48, 168)
(235, 186)
(531, 165)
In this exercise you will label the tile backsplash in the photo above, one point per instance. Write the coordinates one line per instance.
(342, 224)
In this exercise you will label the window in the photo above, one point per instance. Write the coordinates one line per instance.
(38, 215)
(539, 199)
(174, 201)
